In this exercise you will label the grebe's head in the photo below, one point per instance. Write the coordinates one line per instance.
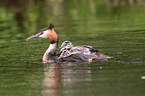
(47, 33)
(64, 54)
(65, 45)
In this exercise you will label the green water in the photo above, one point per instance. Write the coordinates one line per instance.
(115, 31)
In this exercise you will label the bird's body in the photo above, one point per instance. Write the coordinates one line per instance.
(86, 50)
(66, 56)
(50, 55)
(67, 53)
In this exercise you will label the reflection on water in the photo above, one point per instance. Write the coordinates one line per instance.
(51, 82)
(72, 73)
(65, 75)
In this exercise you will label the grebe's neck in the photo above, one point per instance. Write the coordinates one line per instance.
(50, 53)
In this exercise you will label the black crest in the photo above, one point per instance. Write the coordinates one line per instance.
(51, 26)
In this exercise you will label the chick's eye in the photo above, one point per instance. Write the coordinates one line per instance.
(42, 32)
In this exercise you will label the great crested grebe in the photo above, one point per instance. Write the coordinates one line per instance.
(50, 54)
(67, 51)
(86, 50)
(66, 55)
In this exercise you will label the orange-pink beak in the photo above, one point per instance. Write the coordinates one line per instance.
(36, 35)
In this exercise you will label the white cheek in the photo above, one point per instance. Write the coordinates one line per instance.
(44, 35)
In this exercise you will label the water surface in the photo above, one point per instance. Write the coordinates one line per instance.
(115, 31)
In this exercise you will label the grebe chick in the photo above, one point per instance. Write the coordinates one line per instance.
(86, 50)
(66, 45)
(68, 57)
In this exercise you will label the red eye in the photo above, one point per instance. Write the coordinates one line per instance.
(42, 32)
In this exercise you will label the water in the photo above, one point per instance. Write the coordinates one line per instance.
(115, 31)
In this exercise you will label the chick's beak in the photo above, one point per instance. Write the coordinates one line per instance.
(60, 50)
(36, 35)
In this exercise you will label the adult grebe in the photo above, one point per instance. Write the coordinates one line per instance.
(75, 54)
(50, 54)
